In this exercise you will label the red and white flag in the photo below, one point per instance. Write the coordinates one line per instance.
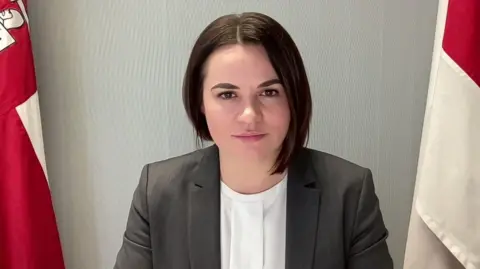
(29, 237)
(444, 230)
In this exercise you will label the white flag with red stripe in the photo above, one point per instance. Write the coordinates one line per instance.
(444, 230)
(28, 231)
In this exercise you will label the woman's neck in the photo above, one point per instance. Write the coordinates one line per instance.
(248, 176)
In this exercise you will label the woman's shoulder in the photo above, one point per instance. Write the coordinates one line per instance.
(335, 171)
(174, 172)
(319, 157)
(175, 166)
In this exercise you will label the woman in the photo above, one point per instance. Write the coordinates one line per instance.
(257, 198)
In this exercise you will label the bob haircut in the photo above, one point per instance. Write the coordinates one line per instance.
(253, 29)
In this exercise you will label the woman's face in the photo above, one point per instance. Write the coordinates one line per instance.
(244, 103)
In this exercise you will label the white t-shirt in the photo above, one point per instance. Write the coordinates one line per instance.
(253, 228)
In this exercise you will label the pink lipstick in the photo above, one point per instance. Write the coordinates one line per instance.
(250, 137)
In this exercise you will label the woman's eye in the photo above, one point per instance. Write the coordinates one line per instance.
(270, 92)
(227, 95)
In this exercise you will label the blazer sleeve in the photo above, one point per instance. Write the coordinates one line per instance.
(135, 251)
(368, 246)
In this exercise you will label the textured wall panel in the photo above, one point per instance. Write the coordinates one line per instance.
(110, 73)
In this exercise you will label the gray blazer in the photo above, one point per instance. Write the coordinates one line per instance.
(333, 215)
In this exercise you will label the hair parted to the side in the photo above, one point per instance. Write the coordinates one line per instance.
(255, 29)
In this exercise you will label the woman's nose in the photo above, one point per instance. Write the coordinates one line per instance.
(251, 113)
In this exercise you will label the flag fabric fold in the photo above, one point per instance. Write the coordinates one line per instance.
(444, 231)
(29, 237)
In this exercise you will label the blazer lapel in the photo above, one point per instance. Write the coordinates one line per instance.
(303, 202)
(204, 212)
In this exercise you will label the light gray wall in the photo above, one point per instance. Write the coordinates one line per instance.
(110, 72)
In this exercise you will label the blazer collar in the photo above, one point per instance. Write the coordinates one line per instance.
(303, 203)
(206, 174)
(204, 211)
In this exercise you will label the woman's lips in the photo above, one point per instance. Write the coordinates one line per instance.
(250, 137)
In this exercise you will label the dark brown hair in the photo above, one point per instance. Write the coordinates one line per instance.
(256, 29)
